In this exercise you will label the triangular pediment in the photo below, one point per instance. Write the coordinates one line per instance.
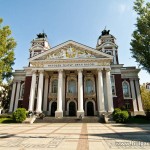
(70, 50)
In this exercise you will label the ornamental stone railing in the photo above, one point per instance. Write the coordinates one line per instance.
(53, 95)
(90, 95)
(71, 95)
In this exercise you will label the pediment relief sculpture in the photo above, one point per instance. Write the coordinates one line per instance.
(70, 52)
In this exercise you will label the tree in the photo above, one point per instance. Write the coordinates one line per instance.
(5, 94)
(145, 94)
(7, 45)
(140, 44)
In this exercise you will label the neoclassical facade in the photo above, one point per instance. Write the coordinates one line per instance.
(72, 79)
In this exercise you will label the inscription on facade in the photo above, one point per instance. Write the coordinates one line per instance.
(77, 65)
(71, 65)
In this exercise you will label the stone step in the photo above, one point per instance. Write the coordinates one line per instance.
(30, 120)
(69, 120)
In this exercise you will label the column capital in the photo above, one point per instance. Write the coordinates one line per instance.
(60, 70)
(34, 71)
(79, 70)
(100, 69)
(41, 71)
(15, 81)
(137, 79)
(107, 69)
(131, 79)
(19, 81)
(46, 75)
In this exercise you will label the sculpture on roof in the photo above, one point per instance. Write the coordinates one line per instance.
(42, 35)
(105, 32)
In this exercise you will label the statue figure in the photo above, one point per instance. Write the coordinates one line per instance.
(105, 32)
(42, 35)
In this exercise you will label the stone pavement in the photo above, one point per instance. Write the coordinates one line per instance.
(74, 136)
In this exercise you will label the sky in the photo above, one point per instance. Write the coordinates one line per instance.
(63, 20)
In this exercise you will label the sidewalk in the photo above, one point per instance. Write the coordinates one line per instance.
(73, 136)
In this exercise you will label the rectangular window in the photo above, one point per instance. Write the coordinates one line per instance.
(127, 105)
(113, 85)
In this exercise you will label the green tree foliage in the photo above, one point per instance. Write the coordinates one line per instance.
(19, 115)
(7, 45)
(5, 95)
(140, 44)
(145, 94)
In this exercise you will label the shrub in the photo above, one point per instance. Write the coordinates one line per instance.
(121, 117)
(116, 110)
(148, 114)
(19, 115)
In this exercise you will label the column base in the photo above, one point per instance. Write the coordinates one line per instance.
(100, 113)
(134, 113)
(58, 114)
(80, 113)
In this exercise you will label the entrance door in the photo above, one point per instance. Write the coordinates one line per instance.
(53, 108)
(90, 109)
(72, 109)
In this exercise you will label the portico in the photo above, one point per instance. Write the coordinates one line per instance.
(80, 96)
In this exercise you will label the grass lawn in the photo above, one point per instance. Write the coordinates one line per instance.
(6, 120)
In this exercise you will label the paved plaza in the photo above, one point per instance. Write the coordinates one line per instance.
(74, 136)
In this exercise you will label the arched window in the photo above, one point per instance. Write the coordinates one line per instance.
(54, 86)
(22, 91)
(72, 86)
(126, 89)
(89, 86)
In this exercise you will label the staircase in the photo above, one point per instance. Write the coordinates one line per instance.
(92, 119)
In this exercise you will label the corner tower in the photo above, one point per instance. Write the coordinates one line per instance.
(39, 45)
(106, 43)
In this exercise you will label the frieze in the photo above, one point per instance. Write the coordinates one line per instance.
(70, 52)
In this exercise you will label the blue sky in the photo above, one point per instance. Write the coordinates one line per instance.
(78, 20)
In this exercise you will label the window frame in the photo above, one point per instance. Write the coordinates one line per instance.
(128, 85)
(113, 85)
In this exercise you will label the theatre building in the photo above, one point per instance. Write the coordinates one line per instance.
(72, 79)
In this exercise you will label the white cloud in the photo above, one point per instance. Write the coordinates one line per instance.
(122, 8)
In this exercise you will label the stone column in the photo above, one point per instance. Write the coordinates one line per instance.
(80, 94)
(12, 97)
(133, 95)
(138, 95)
(17, 95)
(32, 91)
(109, 91)
(100, 93)
(59, 112)
(45, 93)
(64, 93)
(40, 92)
